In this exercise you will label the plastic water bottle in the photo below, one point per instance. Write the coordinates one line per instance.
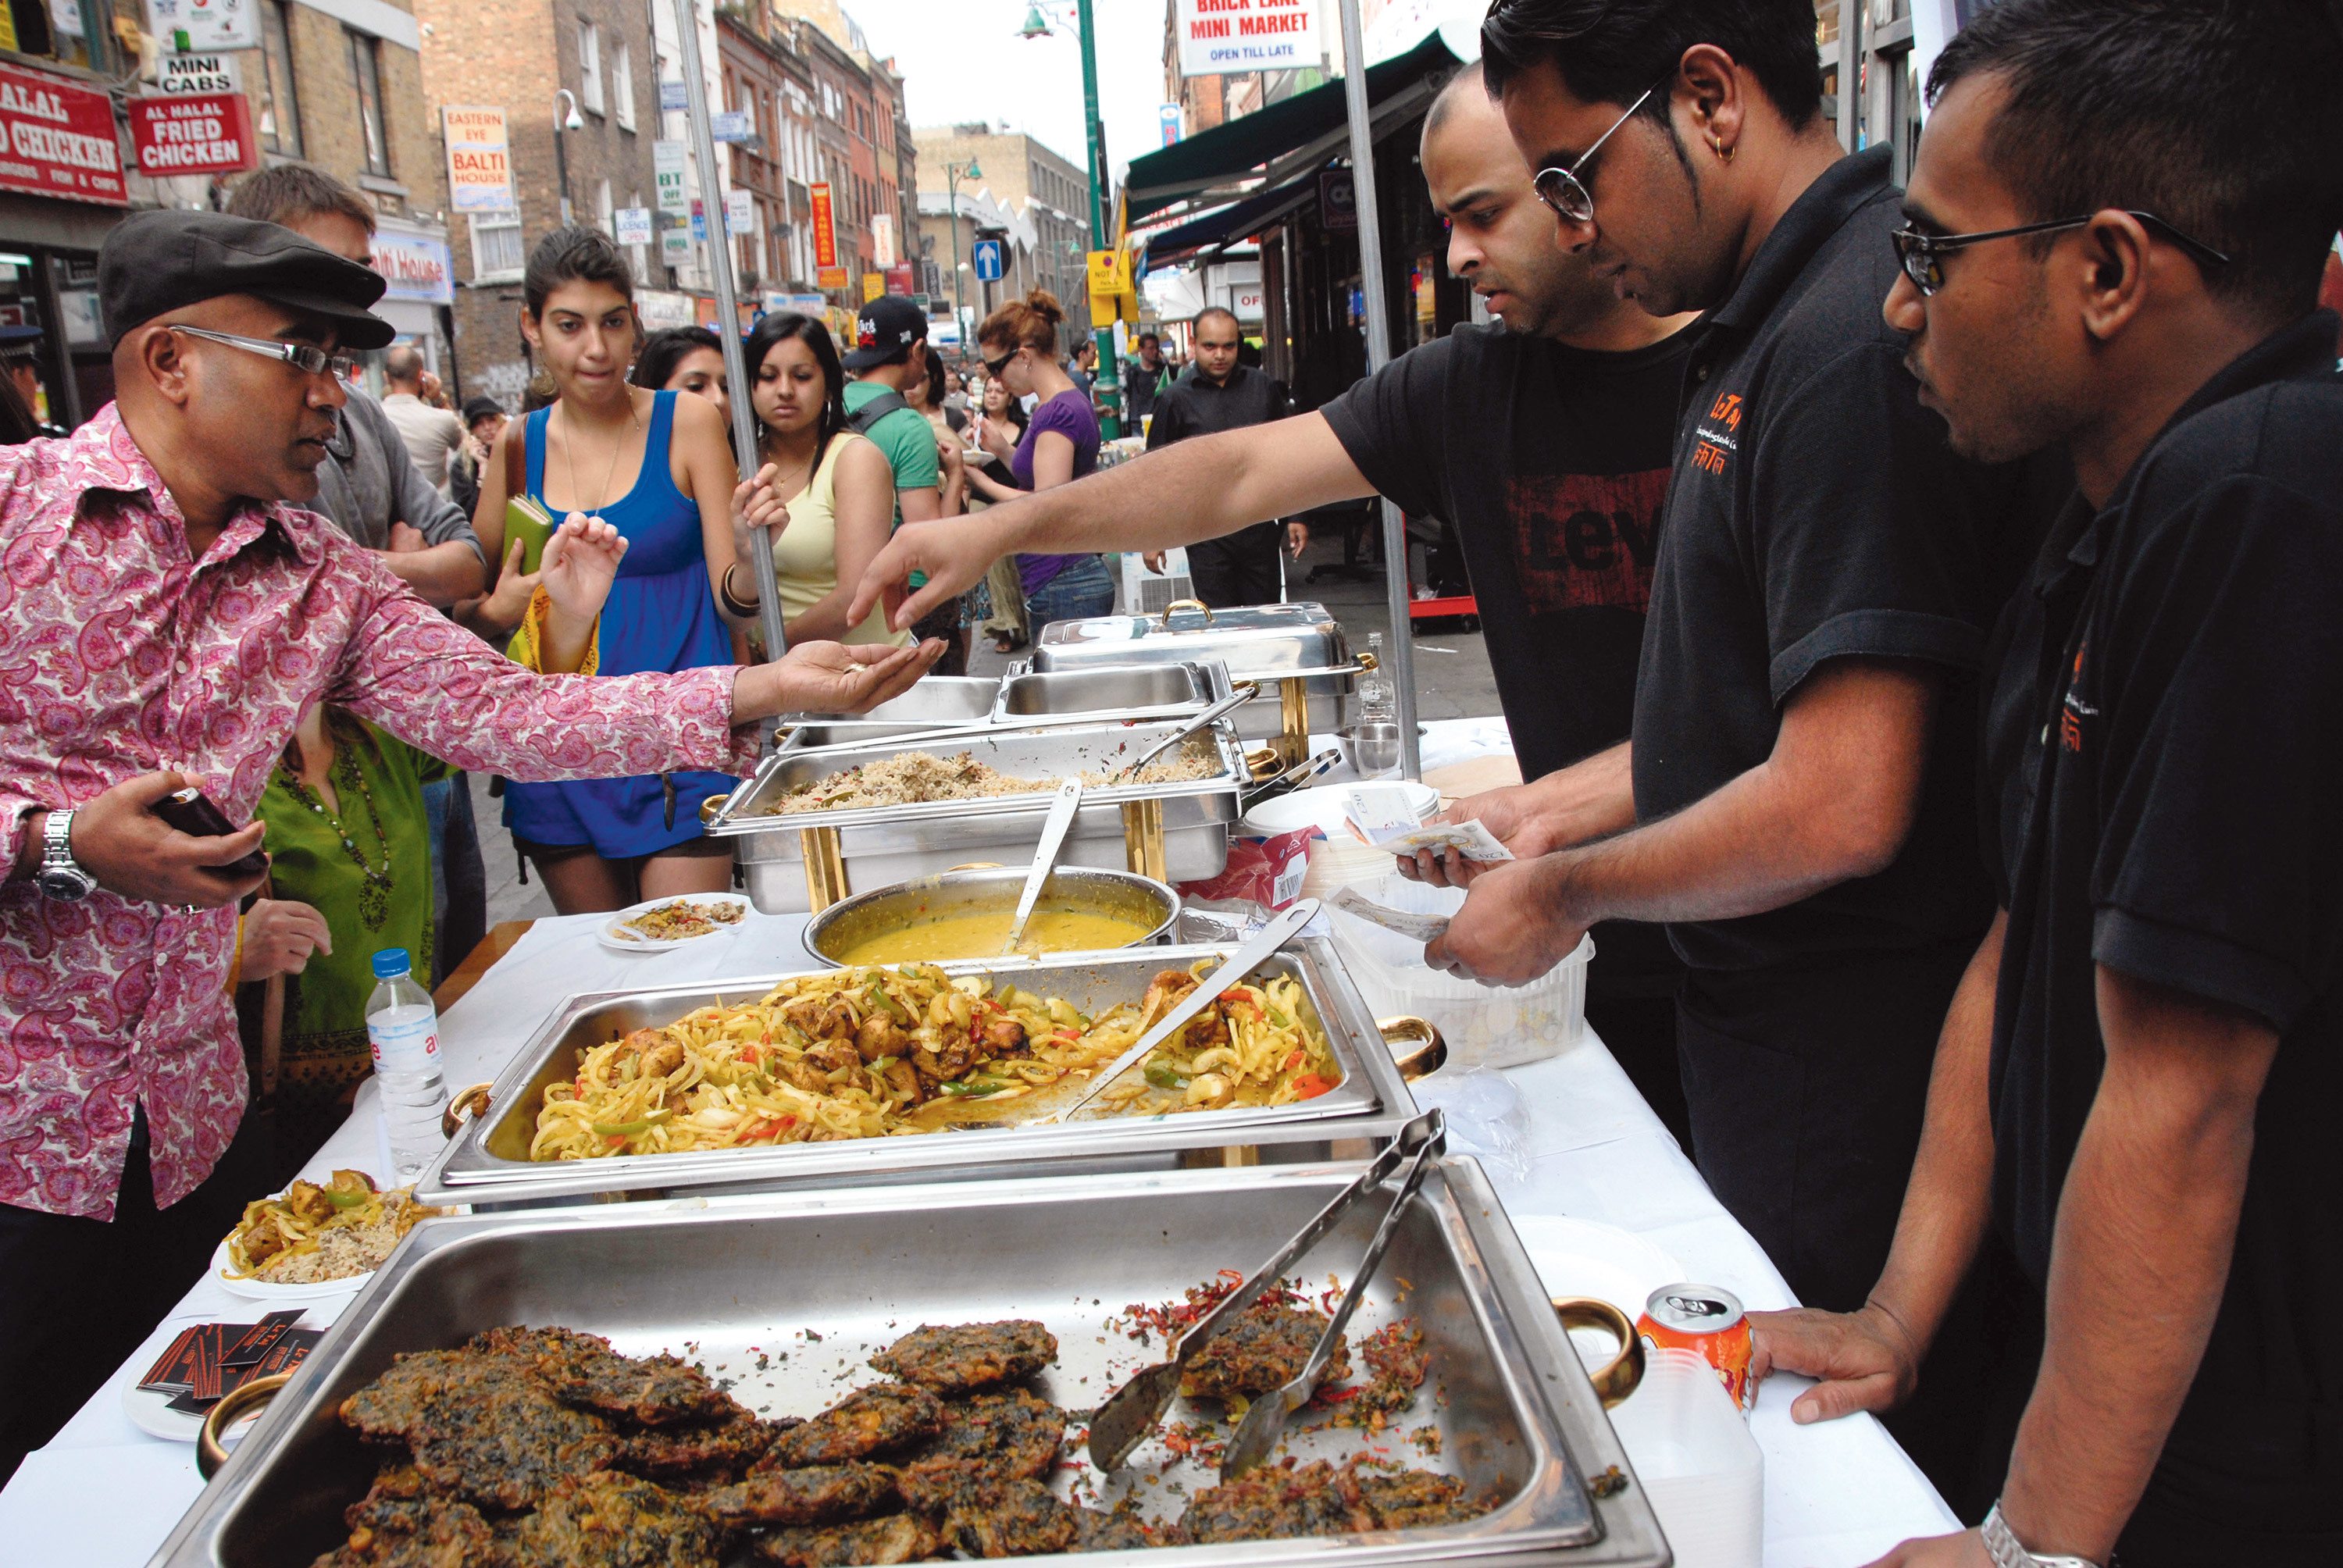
(1378, 698)
(403, 1027)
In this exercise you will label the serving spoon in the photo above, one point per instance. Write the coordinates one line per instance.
(1054, 829)
(1244, 691)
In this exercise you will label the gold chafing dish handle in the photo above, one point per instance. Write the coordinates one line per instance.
(474, 1099)
(1366, 661)
(241, 1401)
(1429, 1050)
(1195, 604)
(709, 806)
(1618, 1377)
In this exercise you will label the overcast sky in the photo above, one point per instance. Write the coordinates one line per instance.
(962, 60)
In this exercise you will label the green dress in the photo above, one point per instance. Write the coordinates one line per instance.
(366, 867)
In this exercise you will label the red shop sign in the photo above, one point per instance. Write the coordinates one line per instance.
(202, 134)
(58, 139)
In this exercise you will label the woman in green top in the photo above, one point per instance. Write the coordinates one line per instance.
(350, 873)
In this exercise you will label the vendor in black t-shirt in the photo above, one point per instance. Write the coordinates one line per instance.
(2148, 1115)
(1219, 393)
(1544, 440)
(1801, 757)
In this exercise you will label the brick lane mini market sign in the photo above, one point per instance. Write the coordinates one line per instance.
(58, 139)
(1219, 36)
(196, 133)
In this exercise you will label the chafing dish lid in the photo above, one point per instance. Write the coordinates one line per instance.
(1266, 639)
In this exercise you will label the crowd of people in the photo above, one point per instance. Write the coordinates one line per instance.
(1913, 610)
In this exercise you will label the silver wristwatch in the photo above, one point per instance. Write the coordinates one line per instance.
(61, 876)
(2006, 1551)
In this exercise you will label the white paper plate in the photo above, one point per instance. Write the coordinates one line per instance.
(610, 937)
(1584, 1258)
(256, 1290)
(151, 1413)
(1322, 808)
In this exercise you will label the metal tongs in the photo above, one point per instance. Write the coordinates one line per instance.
(1256, 951)
(1244, 691)
(1132, 1412)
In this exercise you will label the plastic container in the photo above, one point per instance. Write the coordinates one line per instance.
(1699, 1466)
(1486, 1026)
(403, 1029)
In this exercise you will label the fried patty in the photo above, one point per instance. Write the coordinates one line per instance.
(1012, 1436)
(1264, 1349)
(1417, 1499)
(817, 1494)
(401, 1523)
(874, 1420)
(1279, 1501)
(865, 1544)
(482, 1427)
(719, 1452)
(957, 1360)
(1008, 1518)
(1123, 1530)
(609, 1521)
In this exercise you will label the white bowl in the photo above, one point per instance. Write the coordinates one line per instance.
(1322, 807)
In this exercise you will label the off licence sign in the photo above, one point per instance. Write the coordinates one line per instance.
(203, 133)
(58, 139)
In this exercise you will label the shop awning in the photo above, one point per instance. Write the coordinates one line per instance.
(1170, 246)
(1265, 149)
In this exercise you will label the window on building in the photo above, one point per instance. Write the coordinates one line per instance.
(498, 254)
(622, 86)
(589, 65)
(280, 110)
(365, 74)
(605, 208)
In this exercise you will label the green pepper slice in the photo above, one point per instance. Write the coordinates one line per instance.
(629, 1129)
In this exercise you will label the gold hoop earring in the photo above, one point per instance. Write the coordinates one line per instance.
(1723, 152)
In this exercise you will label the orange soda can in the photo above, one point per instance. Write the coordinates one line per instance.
(1707, 1320)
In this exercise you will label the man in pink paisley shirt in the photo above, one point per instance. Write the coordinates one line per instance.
(166, 612)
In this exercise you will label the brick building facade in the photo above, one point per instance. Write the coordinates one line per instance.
(520, 54)
(1049, 193)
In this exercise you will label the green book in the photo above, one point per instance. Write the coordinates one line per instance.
(532, 525)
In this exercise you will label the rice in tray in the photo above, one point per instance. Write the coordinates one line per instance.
(919, 779)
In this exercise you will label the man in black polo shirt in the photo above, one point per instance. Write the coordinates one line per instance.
(1544, 439)
(1144, 379)
(2148, 1113)
(1220, 394)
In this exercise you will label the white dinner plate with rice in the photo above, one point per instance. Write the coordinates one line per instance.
(615, 933)
(252, 1287)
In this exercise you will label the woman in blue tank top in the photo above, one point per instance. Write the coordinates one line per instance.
(659, 468)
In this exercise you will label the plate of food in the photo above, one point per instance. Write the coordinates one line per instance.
(659, 925)
(316, 1240)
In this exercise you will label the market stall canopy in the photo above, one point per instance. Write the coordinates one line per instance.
(1269, 147)
(1171, 246)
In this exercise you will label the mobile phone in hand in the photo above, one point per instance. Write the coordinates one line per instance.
(192, 812)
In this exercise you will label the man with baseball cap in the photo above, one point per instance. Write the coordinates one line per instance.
(879, 367)
(171, 612)
(18, 343)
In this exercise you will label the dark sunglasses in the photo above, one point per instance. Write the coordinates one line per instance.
(1922, 254)
(993, 368)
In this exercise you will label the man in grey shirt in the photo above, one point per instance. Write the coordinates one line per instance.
(370, 488)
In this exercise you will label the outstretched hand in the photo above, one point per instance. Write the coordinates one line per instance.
(831, 677)
(581, 561)
(955, 553)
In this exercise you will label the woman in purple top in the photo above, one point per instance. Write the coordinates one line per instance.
(1060, 445)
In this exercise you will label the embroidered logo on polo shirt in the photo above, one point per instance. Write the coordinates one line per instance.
(2072, 708)
(1718, 436)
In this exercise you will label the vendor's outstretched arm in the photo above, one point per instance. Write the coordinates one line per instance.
(1870, 1358)
(1198, 489)
(1835, 800)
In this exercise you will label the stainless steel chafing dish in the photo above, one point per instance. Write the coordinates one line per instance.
(1516, 1413)
(806, 862)
(1298, 648)
(937, 703)
(1027, 700)
(487, 1162)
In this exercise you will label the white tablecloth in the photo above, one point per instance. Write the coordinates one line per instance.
(103, 1493)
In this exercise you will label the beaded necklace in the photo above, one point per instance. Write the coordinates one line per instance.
(374, 892)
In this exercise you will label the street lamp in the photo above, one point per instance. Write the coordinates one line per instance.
(572, 121)
(954, 174)
(1037, 26)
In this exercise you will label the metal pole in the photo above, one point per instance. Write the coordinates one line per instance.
(1107, 387)
(1379, 353)
(959, 305)
(728, 311)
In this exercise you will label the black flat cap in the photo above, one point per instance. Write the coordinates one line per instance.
(161, 261)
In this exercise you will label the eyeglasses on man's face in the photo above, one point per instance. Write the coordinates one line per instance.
(1922, 254)
(1564, 190)
(308, 359)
